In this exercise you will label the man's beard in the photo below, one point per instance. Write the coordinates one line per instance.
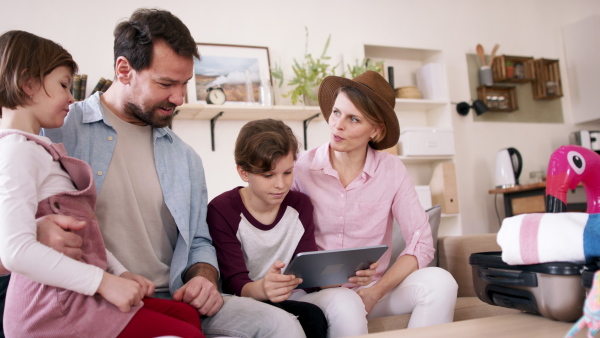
(151, 117)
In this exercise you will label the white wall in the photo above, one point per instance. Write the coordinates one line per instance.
(530, 28)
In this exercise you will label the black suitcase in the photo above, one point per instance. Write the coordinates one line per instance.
(553, 290)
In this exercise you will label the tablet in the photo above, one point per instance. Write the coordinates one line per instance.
(332, 267)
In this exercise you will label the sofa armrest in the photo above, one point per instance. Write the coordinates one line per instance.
(454, 253)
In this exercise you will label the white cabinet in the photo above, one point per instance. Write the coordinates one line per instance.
(434, 112)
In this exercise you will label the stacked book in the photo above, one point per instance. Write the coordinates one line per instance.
(101, 86)
(79, 86)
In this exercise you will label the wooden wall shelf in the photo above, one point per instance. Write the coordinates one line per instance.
(522, 70)
(547, 84)
(498, 98)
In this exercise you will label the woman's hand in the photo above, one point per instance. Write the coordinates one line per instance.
(122, 293)
(364, 277)
(147, 287)
(278, 287)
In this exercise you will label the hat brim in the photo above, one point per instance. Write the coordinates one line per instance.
(327, 91)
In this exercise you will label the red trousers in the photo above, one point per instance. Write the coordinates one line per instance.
(162, 317)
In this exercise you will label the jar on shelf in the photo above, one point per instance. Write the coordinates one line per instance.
(265, 93)
(551, 87)
(519, 70)
(502, 103)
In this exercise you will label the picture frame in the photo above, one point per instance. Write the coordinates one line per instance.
(237, 69)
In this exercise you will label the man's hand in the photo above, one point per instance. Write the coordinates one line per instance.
(364, 277)
(55, 232)
(146, 286)
(202, 294)
(278, 287)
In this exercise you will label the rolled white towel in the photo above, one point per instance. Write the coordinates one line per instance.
(550, 237)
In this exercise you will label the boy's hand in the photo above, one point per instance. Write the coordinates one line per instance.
(120, 292)
(147, 287)
(364, 277)
(278, 287)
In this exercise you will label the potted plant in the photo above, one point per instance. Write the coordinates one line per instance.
(364, 65)
(308, 74)
(510, 70)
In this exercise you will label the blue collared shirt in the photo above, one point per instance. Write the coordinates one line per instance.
(88, 135)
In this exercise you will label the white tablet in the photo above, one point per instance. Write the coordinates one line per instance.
(332, 267)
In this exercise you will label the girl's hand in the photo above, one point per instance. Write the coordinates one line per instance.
(120, 292)
(364, 277)
(278, 287)
(147, 287)
(370, 297)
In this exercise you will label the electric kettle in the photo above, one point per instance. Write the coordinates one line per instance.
(508, 167)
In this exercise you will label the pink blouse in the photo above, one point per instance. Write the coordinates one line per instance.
(362, 214)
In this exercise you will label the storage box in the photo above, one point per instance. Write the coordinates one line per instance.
(443, 187)
(424, 194)
(553, 290)
(426, 141)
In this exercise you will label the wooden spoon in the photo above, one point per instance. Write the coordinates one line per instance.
(480, 53)
(493, 55)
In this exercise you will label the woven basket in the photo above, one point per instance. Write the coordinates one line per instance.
(409, 92)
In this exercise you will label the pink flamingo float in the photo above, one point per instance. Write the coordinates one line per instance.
(569, 166)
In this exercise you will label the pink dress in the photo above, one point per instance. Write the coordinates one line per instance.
(37, 310)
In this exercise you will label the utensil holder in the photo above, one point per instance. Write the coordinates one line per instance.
(485, 76)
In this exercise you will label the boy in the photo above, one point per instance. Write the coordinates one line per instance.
(259, 228)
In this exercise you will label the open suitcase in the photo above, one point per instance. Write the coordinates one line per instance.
(553, 290)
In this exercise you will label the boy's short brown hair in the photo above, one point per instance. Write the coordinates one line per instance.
(25, 56)
(262, 142)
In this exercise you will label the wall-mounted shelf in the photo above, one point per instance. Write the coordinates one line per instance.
(547, 84)
(246, 112)
(418, 104)
(498, 98)
(423, 159)
(516, 69)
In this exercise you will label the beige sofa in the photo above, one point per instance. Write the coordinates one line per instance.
(453, 255)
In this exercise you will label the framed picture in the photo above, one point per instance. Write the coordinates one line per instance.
(237, 69)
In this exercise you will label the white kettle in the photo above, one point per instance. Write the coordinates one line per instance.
(508, 167)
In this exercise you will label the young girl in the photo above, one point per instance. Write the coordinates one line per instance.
(50, 294)
(257, 230)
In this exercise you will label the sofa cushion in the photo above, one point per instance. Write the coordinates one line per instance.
(473, 307)
(398, 243)
(454, 253)
(466, 308)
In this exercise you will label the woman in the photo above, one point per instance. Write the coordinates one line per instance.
(357, 192)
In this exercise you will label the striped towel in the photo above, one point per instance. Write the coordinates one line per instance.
(551, 237)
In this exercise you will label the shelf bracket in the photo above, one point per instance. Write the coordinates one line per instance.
(305, 125)
(213, 121)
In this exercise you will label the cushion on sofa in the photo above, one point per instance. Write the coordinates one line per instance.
(454, 253)
(398, 243)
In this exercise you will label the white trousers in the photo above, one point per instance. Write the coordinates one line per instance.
(428, 293)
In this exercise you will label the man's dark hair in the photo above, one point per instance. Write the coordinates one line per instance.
(135, 38)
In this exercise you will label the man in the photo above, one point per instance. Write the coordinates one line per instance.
(151, 189)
